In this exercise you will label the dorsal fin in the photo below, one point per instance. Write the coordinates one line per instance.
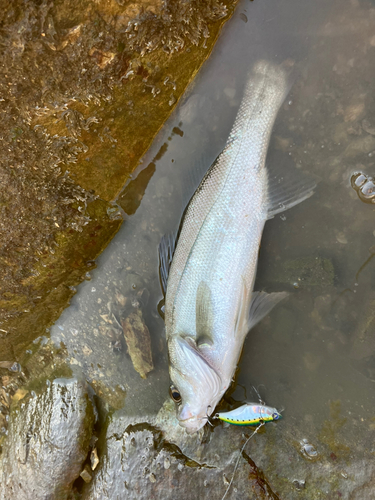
(167, 247)
(204, 316)
(168, 243)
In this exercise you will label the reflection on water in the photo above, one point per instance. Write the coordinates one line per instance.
(315, 353)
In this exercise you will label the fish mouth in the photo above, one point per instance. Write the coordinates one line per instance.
(191, 419)
(191, 425)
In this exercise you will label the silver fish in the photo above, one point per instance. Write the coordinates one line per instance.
(210, 305)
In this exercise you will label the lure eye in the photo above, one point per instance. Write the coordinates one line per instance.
(175, 394)
(275, 416)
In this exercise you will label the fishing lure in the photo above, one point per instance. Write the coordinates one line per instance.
(249, 414)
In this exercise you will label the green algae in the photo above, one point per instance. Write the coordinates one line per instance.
(54, 279)
(330, 429)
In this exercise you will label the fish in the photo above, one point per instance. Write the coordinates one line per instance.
(208, 268)
(249, 414)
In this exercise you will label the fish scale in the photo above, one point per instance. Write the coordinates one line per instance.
(209, 304)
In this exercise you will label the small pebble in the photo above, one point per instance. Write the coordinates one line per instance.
(86, 475)
(308, 450)
(94, 459)
(299, 484)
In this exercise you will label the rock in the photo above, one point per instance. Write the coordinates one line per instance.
(155, 456)
(47, 442)
(142, 458)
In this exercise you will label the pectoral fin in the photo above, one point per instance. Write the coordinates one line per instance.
(288, 190)
(242, 322)
(204, 316)
(261, 305)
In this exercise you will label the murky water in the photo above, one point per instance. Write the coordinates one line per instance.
(315, 353)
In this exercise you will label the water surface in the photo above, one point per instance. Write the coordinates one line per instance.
(315, 353)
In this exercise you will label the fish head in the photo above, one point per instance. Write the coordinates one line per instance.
(196, 386)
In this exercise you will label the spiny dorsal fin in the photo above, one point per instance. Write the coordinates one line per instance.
(167, 247)
(204, 316)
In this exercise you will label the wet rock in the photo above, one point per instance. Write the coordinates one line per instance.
(138, 341)
(158, 458)
(152, 454)
(47, 442)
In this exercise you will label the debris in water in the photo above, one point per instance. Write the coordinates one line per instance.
(94, 459)
(308, 450)
(86, 474)
(138, 341)
(299, 484)
(20, 394)
(365, 187)
(10, 365)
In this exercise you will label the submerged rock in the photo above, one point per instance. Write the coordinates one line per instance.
(47, 442)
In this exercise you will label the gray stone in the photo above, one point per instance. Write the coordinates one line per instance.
(47, 443)
(153, 457)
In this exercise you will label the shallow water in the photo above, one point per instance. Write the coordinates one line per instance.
(315, 353)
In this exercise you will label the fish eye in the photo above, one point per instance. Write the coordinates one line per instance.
(175, 394)
(275, 416)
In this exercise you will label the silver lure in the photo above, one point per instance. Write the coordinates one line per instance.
(210, 304)
(249, 414)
